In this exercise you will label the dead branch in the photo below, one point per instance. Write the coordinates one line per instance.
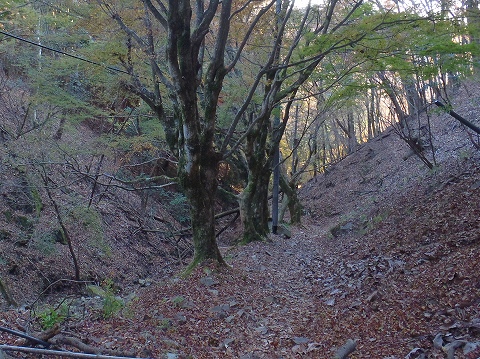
(346, 349)
(28, 338)
(237, 214)
(475, 143)
(61, 353)
(46, 180)
(59, 281)
(227, 213)
(61, 339)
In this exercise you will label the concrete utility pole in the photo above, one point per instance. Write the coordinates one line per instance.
(276, 154)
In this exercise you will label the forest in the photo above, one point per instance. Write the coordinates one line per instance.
(239, 179)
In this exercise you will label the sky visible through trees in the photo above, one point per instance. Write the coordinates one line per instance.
(303, 3)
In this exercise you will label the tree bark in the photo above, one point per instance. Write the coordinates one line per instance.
(6, 294)
(254, 209)
(198, 160)
(289, 189)
(199, 180)
(253, 200)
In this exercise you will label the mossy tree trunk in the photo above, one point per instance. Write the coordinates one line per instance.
(198, 177)
(253, 201)
(190, 129)
(198, 160)
(292, 202)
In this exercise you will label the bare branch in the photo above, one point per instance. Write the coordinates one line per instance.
(161, 19)
(247, 35)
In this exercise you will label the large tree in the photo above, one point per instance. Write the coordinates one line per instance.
(193, 56)
(185, 93)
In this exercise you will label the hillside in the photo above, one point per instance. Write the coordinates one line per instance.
(387, 255)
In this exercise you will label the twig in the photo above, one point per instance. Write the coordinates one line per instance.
(61, 353)
(58, 281)
(237, 214)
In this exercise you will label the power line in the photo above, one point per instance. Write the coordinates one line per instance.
(114, 69)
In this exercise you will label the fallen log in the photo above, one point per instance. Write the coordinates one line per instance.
(60, 340)
(61, 353)
(346, 349)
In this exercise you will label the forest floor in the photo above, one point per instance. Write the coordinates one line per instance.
(387, 256)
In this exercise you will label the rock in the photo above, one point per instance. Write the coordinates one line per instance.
(59, 236)
(472, 349)
(301, 340)
(438, 341)
(222, 310)
(262, 330)
(417, 353)
(341, 229)
(373, 296)
(208, 281)
(283, 230)
(4, 234)
(476, 185)
(330, 302)
(180, 318)
(145, 282)
(228, 341)
(22, 242)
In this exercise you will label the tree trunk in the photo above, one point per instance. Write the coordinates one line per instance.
(351, 134)
(390, 91)
(199, 181)
(289, 188)
(253, 202)
(198, 160)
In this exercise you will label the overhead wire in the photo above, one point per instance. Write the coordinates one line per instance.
(107, 67)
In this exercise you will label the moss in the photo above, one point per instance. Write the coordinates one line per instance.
(24, 222)
(8, 215)
(45, 243)
(252, 236)
(59, 236)
(4, 234)
(37, 200)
